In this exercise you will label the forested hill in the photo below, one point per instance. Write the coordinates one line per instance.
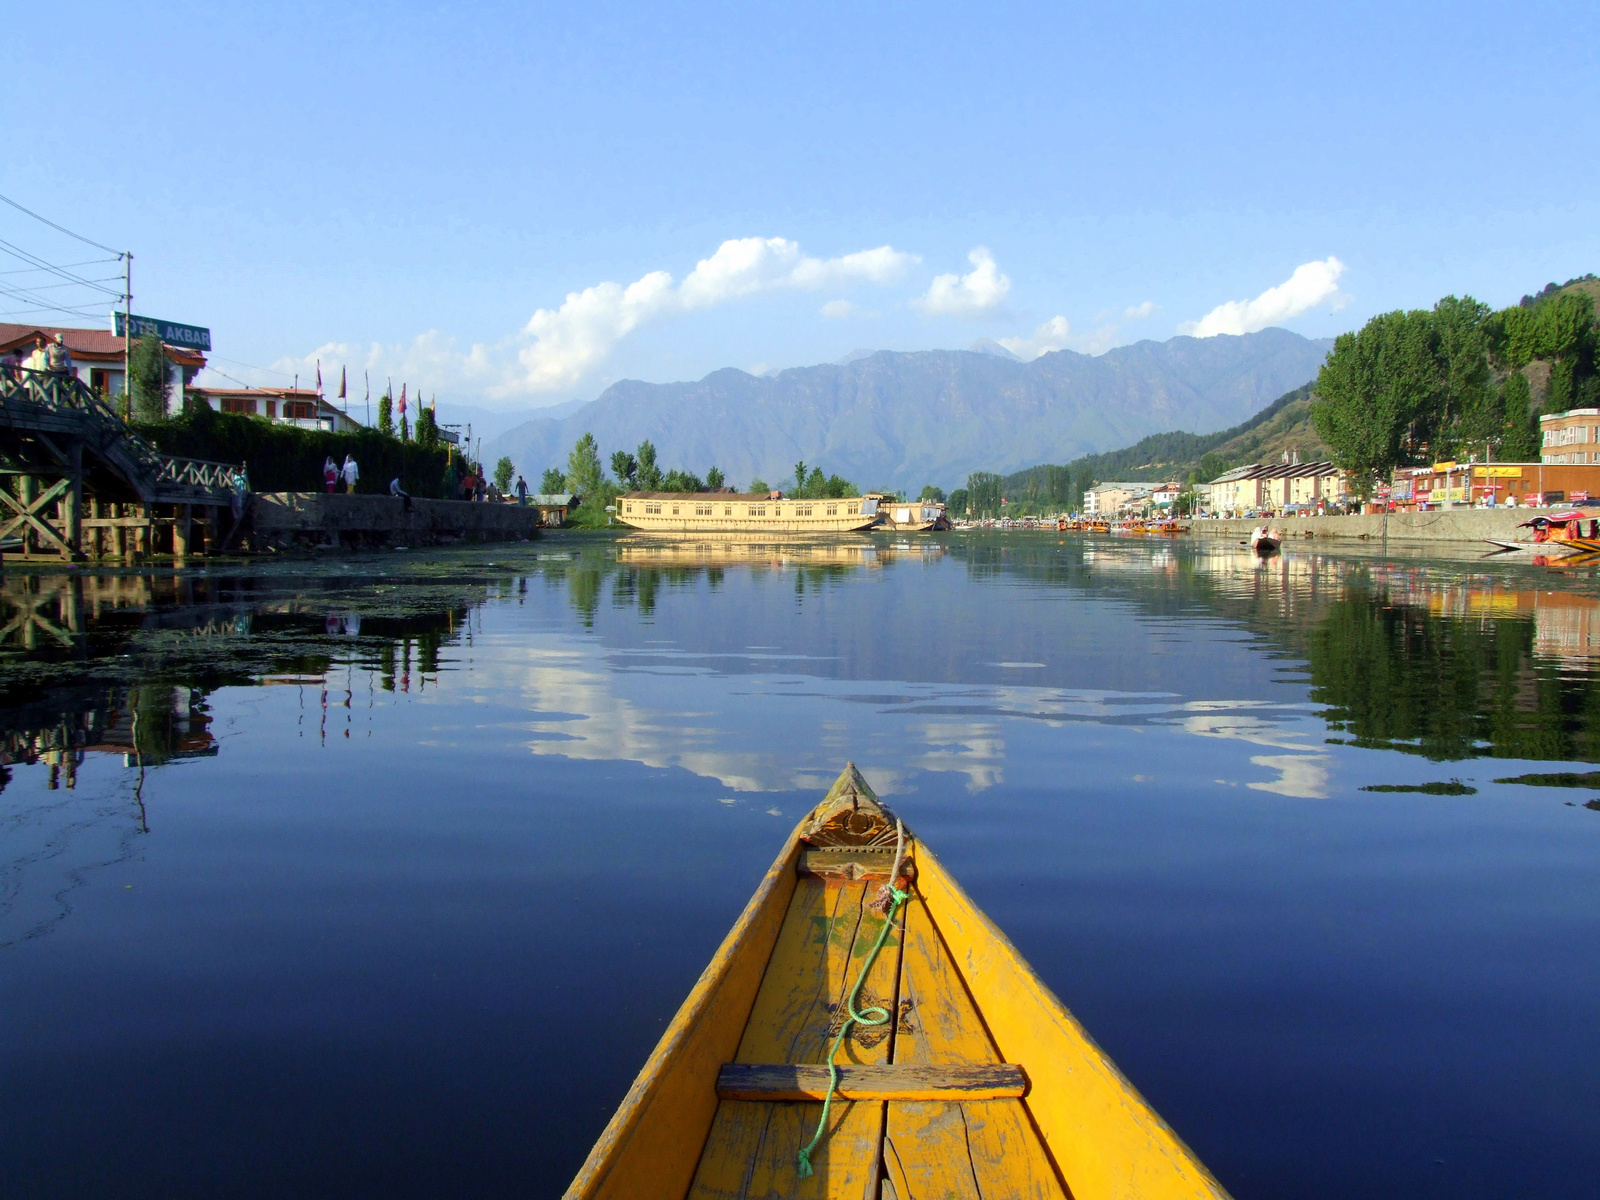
(1285, 424)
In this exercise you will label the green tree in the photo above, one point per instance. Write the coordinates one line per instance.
(837, 488)
(681, 481)
(624, 467)
(585, 475)
(553, 483)
(649, 473)
(1378, 394)
(386, 414)
(1468, 407)
(152, 388)
(1519, 427)
(958, 502)
(405, 430)
(715, 479)
(800, 477)
(1212, 464)
(503, 471)
(758, 486)
(984, 493)
(816, 484)
(427, 433)
(929, 492)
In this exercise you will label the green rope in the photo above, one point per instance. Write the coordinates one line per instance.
(852, 1017)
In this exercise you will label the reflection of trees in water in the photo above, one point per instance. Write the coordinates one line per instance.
(1398, 676)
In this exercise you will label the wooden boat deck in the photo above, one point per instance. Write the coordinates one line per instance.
(900, 1149)
(980, 1085)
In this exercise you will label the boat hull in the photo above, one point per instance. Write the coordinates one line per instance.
(978, 1074)
(721, 512)
(1550, 549)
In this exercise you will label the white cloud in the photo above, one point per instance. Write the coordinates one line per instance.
(564, 345)
(1312, 283)
(558, 348)
(1057, 334)
(981, 290)
(1139, 312)
(1054, 334)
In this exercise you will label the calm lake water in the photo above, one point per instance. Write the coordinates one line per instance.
(381, 877)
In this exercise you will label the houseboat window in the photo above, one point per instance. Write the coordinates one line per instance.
(727, 510)
(803, 510)
(652, 508)
(628, 507)
(852, 510)
(777, 510)
(702, 510)
(833, 510)
(674, 510)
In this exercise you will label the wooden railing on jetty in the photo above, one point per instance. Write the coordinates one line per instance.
(83, 484)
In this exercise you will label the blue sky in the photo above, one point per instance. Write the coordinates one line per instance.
(419, 191)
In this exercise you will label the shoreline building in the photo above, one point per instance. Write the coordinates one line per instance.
(1571, 437)
(1274, 487)
(97, 358)
(303, 408)
(1106, 500)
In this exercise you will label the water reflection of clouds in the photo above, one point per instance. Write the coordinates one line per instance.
(784, 731)
(1303, 775)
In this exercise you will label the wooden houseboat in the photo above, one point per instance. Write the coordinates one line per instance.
(744, 512)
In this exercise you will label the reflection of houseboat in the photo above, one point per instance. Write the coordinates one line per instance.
(720, 550)
(909, 516)
(734, 512)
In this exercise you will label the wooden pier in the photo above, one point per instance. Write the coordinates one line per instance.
(81, 484)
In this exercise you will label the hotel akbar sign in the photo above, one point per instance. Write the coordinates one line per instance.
(190, 337)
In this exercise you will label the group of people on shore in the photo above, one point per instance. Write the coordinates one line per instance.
(333, 473)
(46, 358)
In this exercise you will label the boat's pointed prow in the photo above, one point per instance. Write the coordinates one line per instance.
(850, 815)
(866, 1031)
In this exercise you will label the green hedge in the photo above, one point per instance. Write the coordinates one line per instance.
(282, 458)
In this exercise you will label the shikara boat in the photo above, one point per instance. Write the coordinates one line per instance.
(955, 1072)
(1554, 536)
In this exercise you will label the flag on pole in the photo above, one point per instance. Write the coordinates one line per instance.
(402, 399)
(341, 383)
(319, 378)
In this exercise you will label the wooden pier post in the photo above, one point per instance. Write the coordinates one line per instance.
(72, 504)
(181, 530)
(26, 490)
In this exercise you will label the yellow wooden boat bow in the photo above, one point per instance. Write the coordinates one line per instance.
(976, 1082)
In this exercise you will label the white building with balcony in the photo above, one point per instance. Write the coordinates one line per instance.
(300, 407)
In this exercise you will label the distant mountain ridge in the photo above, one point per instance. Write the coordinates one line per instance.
(904, 419)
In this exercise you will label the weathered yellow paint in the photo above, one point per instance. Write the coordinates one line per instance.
(1107, 1141)
(948, 1148)
(753, 1144)
(653, 1141)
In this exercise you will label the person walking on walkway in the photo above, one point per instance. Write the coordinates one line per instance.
(330, 473)
(351, 474)
(522, 491)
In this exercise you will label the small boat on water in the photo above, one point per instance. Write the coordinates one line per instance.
(865, 1031)
(1554, 536)
(1266, 541)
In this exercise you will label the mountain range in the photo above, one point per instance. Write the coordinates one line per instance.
(893, 419)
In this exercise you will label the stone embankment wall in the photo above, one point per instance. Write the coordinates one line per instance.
(284, 519)
(1446, 525)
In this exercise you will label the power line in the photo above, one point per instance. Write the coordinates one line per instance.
(66, 267)
(61, 228)
(18, 252)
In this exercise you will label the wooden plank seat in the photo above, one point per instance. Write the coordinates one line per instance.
(889, 1081)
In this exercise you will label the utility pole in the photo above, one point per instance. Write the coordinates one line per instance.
(127, 335)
